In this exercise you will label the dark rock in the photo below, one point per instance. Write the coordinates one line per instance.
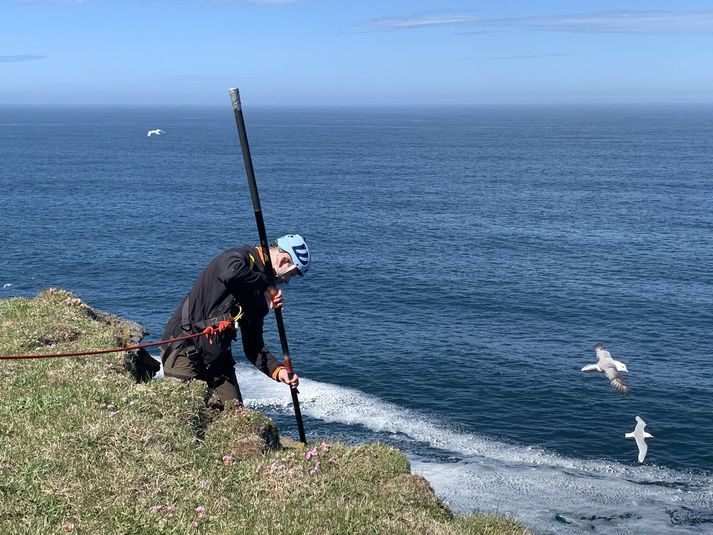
(141, 365)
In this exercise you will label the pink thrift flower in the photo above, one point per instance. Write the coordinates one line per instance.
(311, 453)
(313, 471)
(200, 511)
(228, 459)
(68, 526)
(324, 447)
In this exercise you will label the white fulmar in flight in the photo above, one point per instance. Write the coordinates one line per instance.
(639, 435)
(605, 363)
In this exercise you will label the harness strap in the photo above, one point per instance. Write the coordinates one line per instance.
(220, 320)
(212, 322)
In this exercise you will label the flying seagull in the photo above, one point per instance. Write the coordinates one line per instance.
(158, 132)
(639, 435)
(7, 285)
(610, 367)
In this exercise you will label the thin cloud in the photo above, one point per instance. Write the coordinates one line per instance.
(620, 22)
(421, 21)
(601, 22)
(19, 58)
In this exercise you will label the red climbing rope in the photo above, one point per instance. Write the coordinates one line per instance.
(207, 332)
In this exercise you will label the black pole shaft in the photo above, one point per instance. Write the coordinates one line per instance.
(269, 269)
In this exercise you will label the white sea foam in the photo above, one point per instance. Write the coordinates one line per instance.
(549, 492)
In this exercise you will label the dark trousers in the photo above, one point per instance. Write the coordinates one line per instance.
(220, 375)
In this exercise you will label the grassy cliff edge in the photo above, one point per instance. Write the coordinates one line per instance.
(85, 449)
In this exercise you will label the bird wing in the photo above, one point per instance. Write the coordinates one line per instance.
(620, 366)
(643, 448)
(591, 368)
(610, 371)
(620, 386)
(617, 383)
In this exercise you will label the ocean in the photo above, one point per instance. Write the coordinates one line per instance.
(465, 262)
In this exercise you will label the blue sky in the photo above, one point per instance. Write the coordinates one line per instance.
(341, 52)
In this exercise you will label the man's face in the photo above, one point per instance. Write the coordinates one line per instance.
(284, 278)
(285, 268)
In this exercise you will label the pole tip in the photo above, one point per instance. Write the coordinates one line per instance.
(235, 97)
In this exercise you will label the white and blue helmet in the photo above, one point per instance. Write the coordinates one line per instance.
(295, 246)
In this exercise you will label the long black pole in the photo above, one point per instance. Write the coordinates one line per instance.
(240, 122)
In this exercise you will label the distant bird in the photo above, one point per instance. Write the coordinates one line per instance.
(158, 132)
(7, 285)
(605, 363)
(639, 435)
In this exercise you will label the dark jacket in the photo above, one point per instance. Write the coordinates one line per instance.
(234, 277)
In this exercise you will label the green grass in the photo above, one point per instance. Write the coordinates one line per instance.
(84, 449)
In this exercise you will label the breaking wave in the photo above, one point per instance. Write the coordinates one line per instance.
(548, 492)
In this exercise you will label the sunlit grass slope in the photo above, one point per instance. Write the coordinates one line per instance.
(85, 449)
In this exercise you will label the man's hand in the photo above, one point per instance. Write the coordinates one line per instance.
(274, 297)
(284, 377)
